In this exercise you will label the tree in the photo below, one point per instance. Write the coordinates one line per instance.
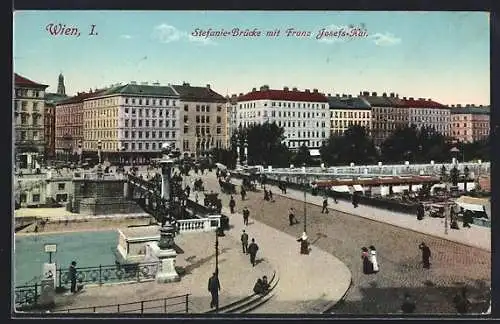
(354, 146)
(265, 145)
(224, 156)
(302, 156)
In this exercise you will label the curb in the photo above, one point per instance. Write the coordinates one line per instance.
(329, 307)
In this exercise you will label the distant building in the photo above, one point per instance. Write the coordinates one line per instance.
(388, 113)
(346, 110)
(428, 113)
(203, 119)
(304, 115)
(232, 118)
(132, 122)
(28, 122)
(470, 123)
(69, 125)
(61, 89)
(51, 99)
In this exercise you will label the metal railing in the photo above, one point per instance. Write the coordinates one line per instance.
(174, 304)
(109, 274)
(27, 295)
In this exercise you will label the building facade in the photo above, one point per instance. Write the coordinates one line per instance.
(346, 111)
(304, 115)
(203, 119)
(428, 113)
(470, 123)
(232, 118)
(29, 106)
(69, 125)
(51, 99)
(388, 113)
(131, 122)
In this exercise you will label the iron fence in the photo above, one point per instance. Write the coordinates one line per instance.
(27, 295)
(172, 305)
(109, 273)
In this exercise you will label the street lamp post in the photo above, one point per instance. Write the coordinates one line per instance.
(466, 177)
(217, 262)
(305, 198)
(80, 152)
(245, 152)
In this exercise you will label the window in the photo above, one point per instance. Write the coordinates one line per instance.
(219, 108)
(186, 108)
(126, 102)
(133, 146)
(140, 146)
(61, 186)
(125, 146)
(219, 119)
(185, 129)
(208, 108)
(140, 134)
(126, 122)
(185, 119)
(140, 122)
(197, 108)
(36, 198)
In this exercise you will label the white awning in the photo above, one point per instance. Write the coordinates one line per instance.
(472, 207)
(416, 188)
(470, 186)
(340, 188)
(358, 188)
(439, 185)
(314, 152)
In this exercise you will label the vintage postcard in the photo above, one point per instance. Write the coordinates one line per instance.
(251, 162)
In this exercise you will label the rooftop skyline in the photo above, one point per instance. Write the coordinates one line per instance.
(440, 55)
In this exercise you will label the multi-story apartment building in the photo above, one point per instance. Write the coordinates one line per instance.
(28, 122)
(232, 117)
(346, 111)
(470, 123)
(51, 99)
(304, 115)
(428, 113)
(131, 122)
(388, 113)
(203, 119)
(69, 124)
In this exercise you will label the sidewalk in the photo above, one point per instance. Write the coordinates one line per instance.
(308, 283)
(476, 236)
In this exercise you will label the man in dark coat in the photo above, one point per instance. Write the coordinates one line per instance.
(252, 250)
(355, 199)
(244, 242)
(420, 212)
(408, 305)
(188, 190)
(325, 206)
(72, 276)
(426, 255)
(232, 204)
(243, 193)
(213, 288)
(291, 217)
(246, 214)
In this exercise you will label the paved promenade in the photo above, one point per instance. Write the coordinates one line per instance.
(476, 236)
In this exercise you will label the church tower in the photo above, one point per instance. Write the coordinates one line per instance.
(61, 89)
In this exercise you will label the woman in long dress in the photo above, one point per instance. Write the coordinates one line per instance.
(365, 256)
(373, 259)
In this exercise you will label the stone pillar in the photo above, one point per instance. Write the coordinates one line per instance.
(165, 254)
(166, 172)
(126, 193)
(48, 285)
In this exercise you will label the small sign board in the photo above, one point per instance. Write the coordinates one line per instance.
(50, 248)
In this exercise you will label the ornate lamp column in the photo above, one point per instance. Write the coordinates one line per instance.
(99, 166)
(466, 177)
(238, 155)
(245, 152)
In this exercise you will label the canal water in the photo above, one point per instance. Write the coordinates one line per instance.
(88, 249)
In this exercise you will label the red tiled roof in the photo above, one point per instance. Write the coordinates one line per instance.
(422, 103)
(283, 95)
(80, 97)
(20, 80)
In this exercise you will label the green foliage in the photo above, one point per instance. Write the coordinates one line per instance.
(302, 157)
(265, 145)
(354, 146)
(226, 157)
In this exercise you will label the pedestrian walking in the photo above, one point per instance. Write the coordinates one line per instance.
(266, 195)
(72, 276)
(408, 305)
(244, 242)
(271, 196)
(188, 190)
(291, 217)
(214, 288)
(232, 204)
(373, 259)
(243, 193)
(252, 250)
(196, 197)
(334, 196)
(355, 199)
(420, 211)
(325, 206)
(365, 257)
(246, 214)
(426, 255)
(304, 244)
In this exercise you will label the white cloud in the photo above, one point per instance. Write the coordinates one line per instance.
(386, 39)
(201, 40)
(126, 36)
(167, 33)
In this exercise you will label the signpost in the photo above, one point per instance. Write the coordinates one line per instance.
(50, 248)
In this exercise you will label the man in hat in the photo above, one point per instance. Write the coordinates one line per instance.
(244, 242)
(72, 276)
(213, 288)
(325, 206)
(252, 250)
(232, 204)
(246, 214)
(304, 246)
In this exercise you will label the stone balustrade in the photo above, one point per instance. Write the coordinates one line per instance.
(207, 224)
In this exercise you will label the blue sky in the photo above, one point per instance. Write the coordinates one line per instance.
(440, 55)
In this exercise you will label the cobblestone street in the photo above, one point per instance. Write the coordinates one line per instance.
(343, 235)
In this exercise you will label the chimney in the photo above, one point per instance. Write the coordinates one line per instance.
(404, 98)
(315, 90)
(350, 96)
(467, 105)
(343, 95)
(411, 98)
(307, 91)
(429, 99)
(144, 83)
(384, 94)
(329, 95)
(473, 105)
(254, 89)
(133, 82)
(285, 88)
(233, 96)
(361, 93)
(241, 94)
(208, 86)
(397, 95)
(452, 106)
(185, 84)
(156, 83)
(459, 105)
(392, 94)
(337, 95)
(294, 89)
(374, 94)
